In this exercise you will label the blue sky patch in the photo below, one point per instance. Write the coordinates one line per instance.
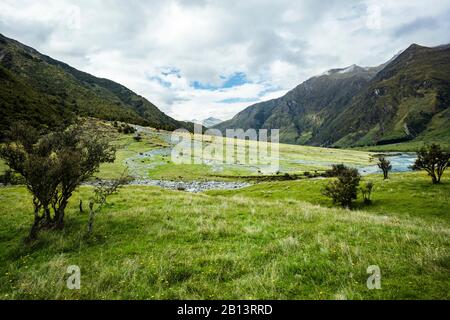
(238, 100)
(161, 81)
(236, 80)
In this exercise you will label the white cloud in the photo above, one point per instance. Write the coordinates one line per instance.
(159, 48)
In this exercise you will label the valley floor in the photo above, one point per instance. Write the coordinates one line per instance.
(276, 240)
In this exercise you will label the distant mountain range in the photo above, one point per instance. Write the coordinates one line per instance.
(405, 99)
(47, 92)
(208, 123)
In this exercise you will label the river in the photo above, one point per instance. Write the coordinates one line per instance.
(401, 162)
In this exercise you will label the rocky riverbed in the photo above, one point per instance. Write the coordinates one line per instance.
(192, 186)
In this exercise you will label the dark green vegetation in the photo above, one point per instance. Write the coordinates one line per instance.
(406, 99)
(262, 242)
(385, 166)
(434, 161)
(53, 166)
(344, 189)
(49, 93)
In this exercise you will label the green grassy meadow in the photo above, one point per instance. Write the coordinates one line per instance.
(292, 159)
(404, 194)
(265, 242)
(273, 240)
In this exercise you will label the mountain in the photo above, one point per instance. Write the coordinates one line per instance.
(47, 92)
(209, 122)
(404, 99)
(408, 99)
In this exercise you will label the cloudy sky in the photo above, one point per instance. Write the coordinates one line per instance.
(202, 58)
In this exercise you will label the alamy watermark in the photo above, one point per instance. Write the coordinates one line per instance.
(374, 281)
(74, 280)
(259, 148)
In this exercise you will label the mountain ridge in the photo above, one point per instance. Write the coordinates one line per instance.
(208, 122)
(55, 83)
(344, 107)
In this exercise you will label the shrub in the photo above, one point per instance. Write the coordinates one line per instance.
(53, 165)
(344, 189)
(101, 194)
(366, 192)
(127, 129)
(433, 160)
(336, 170)
(9, 177)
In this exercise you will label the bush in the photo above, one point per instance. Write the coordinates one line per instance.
(366, 192)
(127, 129)
(433, 160)
(53, 166)
(344, 189)
(11, 178)
(336, 170)
(101, 194)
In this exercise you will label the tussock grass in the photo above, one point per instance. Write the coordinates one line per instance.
(150, 243)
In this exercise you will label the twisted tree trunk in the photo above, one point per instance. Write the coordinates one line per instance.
(38, 218)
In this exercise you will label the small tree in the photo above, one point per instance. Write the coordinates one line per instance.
(101, 194)
(366, 192)
(433, 160)
(385, 166)
(53, 165)
(344, 189)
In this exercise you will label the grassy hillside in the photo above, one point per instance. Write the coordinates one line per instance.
(18, 101)
(260, 243)
(38, 85)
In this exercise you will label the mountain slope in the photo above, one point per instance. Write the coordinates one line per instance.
(19, 101)
(304, 109)
(57, 90)
(208, 123)
(407, 98)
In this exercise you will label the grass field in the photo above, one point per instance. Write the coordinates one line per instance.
(405, 194)
(273, 240)
(292, 159)
(264, 242)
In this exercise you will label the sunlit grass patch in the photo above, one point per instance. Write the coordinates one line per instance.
(150, 243)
